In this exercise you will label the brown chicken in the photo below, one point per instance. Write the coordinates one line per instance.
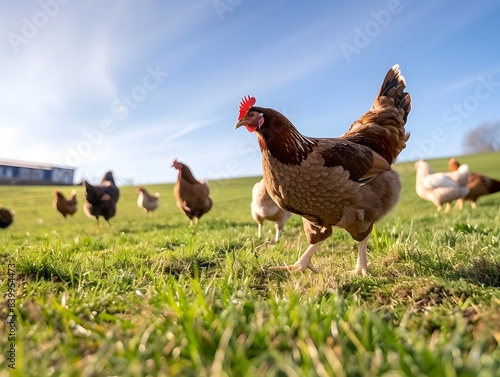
(192, 196)
(6, 217)
(346, 182)
(478, 185)
(264, 208)
(147, 201)
(65, 206)
(100, 200)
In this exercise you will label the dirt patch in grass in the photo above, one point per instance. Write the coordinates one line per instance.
(482, 271)
(418, 295)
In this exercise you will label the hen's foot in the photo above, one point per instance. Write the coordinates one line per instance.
(297, 267)
(302, 264)
(360, 271)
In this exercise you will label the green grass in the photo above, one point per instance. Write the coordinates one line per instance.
(151, 296)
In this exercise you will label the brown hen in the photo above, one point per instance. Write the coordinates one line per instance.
(479, 185)
(192, 196)
(65, 206)
(346, 182)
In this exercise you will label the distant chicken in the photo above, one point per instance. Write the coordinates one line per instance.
(264, 208)
(192, 196)
(6, 217)
(65, 206)
(147, 201)
(478, 185)
(345, 182)
(100, 200)
(440, 188)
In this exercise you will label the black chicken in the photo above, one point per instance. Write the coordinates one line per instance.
(6, 217)
(100, 200)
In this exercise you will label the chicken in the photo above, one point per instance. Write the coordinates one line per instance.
(192, 196)
(65, 206)
(100, 200)
(345, 182)
(147, 201)
(6, 217)
(264, 208)
(478, 185)
(440, 188)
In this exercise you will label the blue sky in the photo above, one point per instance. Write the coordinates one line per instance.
(129, 85)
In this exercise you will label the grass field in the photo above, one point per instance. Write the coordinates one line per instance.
(151, 296)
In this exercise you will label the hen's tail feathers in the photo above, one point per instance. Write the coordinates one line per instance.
(383, 127)
(492, 185)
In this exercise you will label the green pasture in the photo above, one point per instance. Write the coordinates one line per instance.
(150, 296)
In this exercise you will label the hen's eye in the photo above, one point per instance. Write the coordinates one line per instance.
(250, 113)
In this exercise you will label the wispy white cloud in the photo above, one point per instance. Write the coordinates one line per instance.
(467, 82)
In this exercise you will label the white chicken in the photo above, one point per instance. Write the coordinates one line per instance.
(145, 200)
(264, 208)
(440, 188)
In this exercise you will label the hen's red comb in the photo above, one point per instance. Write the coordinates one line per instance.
(246, 103)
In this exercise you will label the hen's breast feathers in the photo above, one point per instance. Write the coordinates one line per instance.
(326, 182)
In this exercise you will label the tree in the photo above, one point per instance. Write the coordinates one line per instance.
(483, 138)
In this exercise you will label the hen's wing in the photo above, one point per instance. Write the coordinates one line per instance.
(108, 182)
(437, 180)
(461, 175)
(362, 162)
(192, 198)
(109, 192)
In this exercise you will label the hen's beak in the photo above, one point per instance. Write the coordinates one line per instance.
(241, 122)
(249, 123)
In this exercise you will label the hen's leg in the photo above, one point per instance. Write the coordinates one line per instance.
(277, 236)
(259, 230)
(303, 263)
(447, 209)
(473, 205)
(361, 263)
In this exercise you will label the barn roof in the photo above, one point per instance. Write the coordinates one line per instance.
(33, 165)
